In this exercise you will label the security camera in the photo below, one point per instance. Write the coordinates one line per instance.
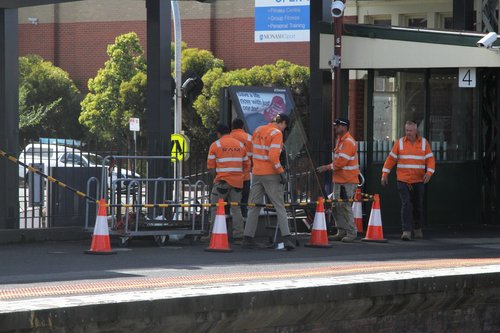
(488, 40)
(338, 7)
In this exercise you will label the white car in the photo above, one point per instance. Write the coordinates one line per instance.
(52, 155)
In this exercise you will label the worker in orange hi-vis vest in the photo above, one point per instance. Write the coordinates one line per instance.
(239, 134)
(415, 166)
(345, 168)
(268, 178)
(228, 158)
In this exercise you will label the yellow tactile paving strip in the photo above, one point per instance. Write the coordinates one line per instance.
(130, 284)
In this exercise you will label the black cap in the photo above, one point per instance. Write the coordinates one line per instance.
(282, 117)
(222, 129)
(342, 121)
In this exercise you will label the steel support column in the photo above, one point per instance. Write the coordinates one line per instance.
(9, 118)
(159, 116)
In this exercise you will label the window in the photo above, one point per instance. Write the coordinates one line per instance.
(416, 22)
(452, 117)
(398, 97)
(379, 20)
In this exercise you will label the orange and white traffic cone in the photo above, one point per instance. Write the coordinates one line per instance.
(319, 235)
(100, 239)
(357, 210)
(219, 241)
(374, 232)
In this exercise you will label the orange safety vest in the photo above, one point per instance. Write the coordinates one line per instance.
(229, 158)
(267, 144)
(245, 138)
(413, 160)
(345, 164)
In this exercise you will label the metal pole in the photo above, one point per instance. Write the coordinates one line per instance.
(178, 93)
(178, 63)
(335, 64)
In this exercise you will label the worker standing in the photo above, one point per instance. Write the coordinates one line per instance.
(239, 134)
(268, 178)
(227, 157)
(345, 168)
(415, 167)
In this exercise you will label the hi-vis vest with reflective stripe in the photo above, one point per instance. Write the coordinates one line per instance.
(267, 144)
(229, 158)
(413, 160)
(345, 162)
(246, 139)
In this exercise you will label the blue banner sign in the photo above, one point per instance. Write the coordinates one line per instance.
(282, 21)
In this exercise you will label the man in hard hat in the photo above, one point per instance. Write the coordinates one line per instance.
(227, 157)
(268, 178)
(345, 169)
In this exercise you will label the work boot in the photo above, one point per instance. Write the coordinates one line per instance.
(237, 240)
(418, 233)
(337, 237)
(406, 236)
(348, 239)
(205, 239)
(249, 243)
(287, 241)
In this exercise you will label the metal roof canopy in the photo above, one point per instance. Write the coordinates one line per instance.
(158, 93)
(372, 46)
(12, 4)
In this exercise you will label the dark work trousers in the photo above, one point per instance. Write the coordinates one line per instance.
(244, 197)
(412, 205)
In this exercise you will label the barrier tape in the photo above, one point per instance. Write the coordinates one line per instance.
(229, 203)
(49, 178)
(12, 158)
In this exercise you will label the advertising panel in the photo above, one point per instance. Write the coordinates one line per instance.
(282, 21)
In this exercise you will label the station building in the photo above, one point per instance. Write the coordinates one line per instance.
(407, 59)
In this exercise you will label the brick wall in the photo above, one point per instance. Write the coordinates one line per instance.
(357, 108)
(80, 48)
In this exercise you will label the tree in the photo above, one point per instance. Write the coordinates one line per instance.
(195, 63)
(48, 101)
(108, 106)
(281, 74)
(118, 92)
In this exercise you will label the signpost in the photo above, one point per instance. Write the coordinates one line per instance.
(135, 127)
(282, 21)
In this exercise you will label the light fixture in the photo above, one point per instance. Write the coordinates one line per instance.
(338, 7)
(488, 40)
(33, 20)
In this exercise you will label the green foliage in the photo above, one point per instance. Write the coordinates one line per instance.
(281, 74)
(48, 101)
(195, 63)
(112, 98)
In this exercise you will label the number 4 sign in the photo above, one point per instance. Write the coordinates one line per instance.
(467, 77)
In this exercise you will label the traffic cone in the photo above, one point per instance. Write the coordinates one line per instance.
(218, 240)
(100, 239)
(319, 235)
(357, 210)
(374, 232)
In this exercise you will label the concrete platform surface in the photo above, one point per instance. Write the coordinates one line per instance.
(58, 275)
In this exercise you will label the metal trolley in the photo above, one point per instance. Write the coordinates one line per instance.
(134, 205)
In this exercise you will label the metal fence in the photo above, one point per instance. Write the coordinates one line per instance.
(45, 204)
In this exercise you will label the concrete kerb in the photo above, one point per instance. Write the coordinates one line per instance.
(41, 235)
(412, 303)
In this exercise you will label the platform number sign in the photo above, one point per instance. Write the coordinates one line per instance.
(467, 77)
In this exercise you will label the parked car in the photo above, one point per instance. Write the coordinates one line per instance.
(52, 155)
